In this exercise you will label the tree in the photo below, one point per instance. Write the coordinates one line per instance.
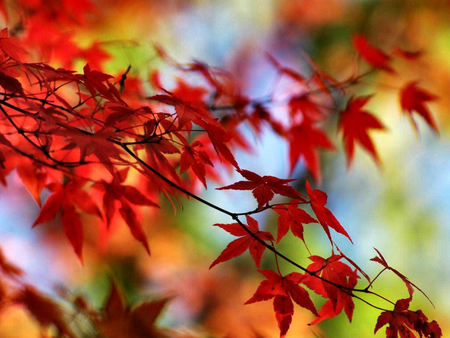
(105, 148)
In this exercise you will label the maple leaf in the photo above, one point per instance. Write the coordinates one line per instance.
(65, 198)
(304, 139)
(331, 269)
(374, 56)
(118, 320)
(218, 137)
(292, 217)
(318, 199)
(95, 82)
(413, 98)
(244, 242)
(91, 144)
(264, 188)
(33, 176)
(402, 321)
(284, 290)
(355, 124)
(126, 194)
(304, 104)
(129, 216)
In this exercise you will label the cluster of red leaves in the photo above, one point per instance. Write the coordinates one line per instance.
(403, 321)
(339, 273)
(72, 133)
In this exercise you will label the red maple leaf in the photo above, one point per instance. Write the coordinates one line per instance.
(95, 82)
(355, 124)
(292, 217)
(304, 140)
(244, 242)
(413, 98)
(218, 137)
(97, 144)
(318, 199)
(284, 290)
(126, 194)
(331, 269)
(374, 56)
(304, 104)
(65, 198)
(402, 321)
(264, 188)
(33, 176)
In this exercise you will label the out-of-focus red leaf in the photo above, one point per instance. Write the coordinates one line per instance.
(408, 55)
(286, 70)
(304, 141)
(73, 228)
(65, 198)
(374, 56)
(95, 55)
(355, 124)
(33, 177)
(135, 226)
(305, 106)
(292, 217)
(413, 99)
